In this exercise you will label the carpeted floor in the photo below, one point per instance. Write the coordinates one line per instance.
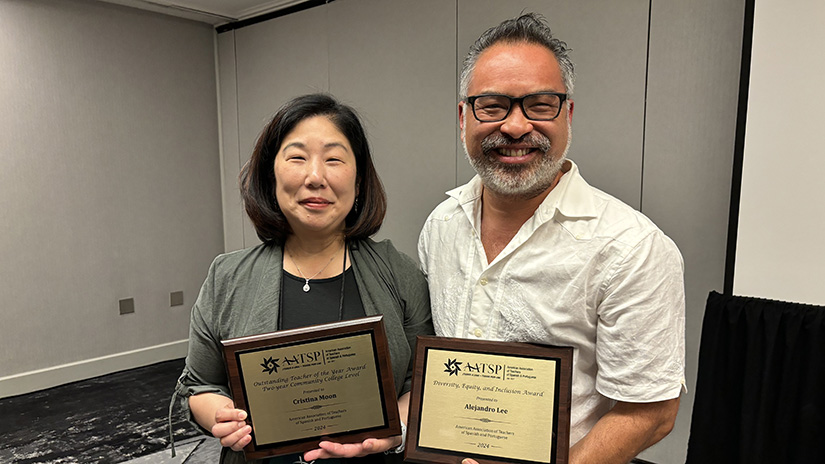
(113, 418)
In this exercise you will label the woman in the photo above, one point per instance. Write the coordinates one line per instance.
(314, 198)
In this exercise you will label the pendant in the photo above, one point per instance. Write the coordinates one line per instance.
(306, 286)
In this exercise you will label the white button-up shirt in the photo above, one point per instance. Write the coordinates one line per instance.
(586, 271)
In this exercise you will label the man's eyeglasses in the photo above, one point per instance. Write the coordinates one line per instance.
(542, 106)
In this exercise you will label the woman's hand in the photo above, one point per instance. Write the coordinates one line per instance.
(231, 428)
(217, 414)
(329, 449)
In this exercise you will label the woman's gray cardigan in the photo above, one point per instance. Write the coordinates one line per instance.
(241, 296)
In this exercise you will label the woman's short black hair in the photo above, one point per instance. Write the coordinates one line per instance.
(257, 178)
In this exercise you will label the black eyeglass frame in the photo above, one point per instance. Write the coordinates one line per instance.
(513, 100)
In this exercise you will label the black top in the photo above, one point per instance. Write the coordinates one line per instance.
(320, 305)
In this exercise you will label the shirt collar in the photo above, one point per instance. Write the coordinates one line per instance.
(467, 193)
(571, 198)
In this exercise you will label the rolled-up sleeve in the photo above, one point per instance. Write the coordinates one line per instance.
(640, 349)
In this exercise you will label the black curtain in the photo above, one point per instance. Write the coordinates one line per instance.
(760, 388)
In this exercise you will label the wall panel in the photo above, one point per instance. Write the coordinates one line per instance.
(234, 219)
(695, 49)
(276, 60)
(399, 73)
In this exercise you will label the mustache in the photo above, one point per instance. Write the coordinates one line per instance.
(498, 140)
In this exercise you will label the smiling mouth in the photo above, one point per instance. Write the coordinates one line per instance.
(514, 152)
(506, 147)
(315, 202)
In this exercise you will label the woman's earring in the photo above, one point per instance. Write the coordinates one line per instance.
(355, 208)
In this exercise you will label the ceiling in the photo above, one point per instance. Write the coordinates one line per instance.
(214, 12)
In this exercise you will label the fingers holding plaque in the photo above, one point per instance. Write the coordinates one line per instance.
(332, 381)
(490, 401)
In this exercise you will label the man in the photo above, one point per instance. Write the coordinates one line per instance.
(528, 251)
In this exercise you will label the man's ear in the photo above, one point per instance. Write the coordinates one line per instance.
(570, 111)
(461, 118)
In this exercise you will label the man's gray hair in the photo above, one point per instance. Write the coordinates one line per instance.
(527, 28)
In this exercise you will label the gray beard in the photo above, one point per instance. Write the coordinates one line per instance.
(517, 181)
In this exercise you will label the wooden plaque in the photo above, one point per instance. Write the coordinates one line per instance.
(491, 401)
(324, 382)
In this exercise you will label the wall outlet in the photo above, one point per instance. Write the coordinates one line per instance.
(176, 299)
(127, 306)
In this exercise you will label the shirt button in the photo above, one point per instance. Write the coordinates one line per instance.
(483, 282)
(478, 333)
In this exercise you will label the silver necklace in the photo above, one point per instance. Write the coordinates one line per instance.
(306, 279)
(340, 300)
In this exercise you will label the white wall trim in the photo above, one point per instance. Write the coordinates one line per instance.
(49, 377)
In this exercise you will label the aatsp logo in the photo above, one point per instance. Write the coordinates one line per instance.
(485, 368)
(453, 366)
(270, 365)
(308, 358)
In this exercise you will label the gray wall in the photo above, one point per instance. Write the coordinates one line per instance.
(109, 185)
(654, 123)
